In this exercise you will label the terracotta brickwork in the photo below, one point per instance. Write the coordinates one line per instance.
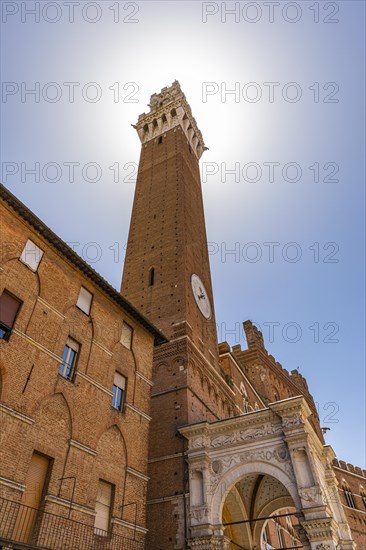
(352, 479)
(170, 385)
(195, 379)
(71, 421)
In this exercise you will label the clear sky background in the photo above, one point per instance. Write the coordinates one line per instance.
(305, 290)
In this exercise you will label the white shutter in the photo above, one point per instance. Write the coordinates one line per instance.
(84, 300)
(119, 381)
(126, 338)
(103, 506)
(31, 255)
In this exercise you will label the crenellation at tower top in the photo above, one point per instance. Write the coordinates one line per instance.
(168, 109)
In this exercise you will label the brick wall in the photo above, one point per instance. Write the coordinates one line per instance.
(72, 423)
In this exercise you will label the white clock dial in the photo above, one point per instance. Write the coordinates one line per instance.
(201, 296)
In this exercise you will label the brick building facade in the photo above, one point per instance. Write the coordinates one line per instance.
(76, 368)
(167, 276)
(237, 457)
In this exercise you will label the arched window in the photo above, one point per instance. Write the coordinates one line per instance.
(279, 534)
(363, 495)
(152, 276)
(173, 113)
(348, 494)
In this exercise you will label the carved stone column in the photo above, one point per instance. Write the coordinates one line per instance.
(321, 533)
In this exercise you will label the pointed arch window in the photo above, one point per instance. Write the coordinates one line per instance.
(348, 494)
(363, 495)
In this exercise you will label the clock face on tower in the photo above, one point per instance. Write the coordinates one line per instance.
(201, 297)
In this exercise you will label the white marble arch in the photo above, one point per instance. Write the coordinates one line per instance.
(235, 474)
(279, 442)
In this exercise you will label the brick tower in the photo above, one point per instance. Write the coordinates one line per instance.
(167, 276)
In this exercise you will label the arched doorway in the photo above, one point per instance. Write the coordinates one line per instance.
(259, 513)
(246, 471)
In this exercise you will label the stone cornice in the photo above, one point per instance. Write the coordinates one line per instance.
(82, 447)
(170, 109)
(12, 484)
(16, 414)
(68, 504)
(129, 525)
(136, 473)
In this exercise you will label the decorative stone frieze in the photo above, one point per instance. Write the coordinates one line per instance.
(209, 543)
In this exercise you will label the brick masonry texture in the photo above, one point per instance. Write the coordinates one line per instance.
(72, 423)
(193, 377)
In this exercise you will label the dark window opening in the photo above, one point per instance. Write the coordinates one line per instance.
(152, 276)
(349, 499)
(9, 309)
(160, 140)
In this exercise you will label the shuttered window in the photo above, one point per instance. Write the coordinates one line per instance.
(119, 389)
(9, 307)
(84, 300)
(103, 507)
(126, 338)
(31, 498)
(31, 255)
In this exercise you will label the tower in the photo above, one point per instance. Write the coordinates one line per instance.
(167, 277)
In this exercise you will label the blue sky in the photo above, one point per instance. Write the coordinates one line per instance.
(292, 130)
